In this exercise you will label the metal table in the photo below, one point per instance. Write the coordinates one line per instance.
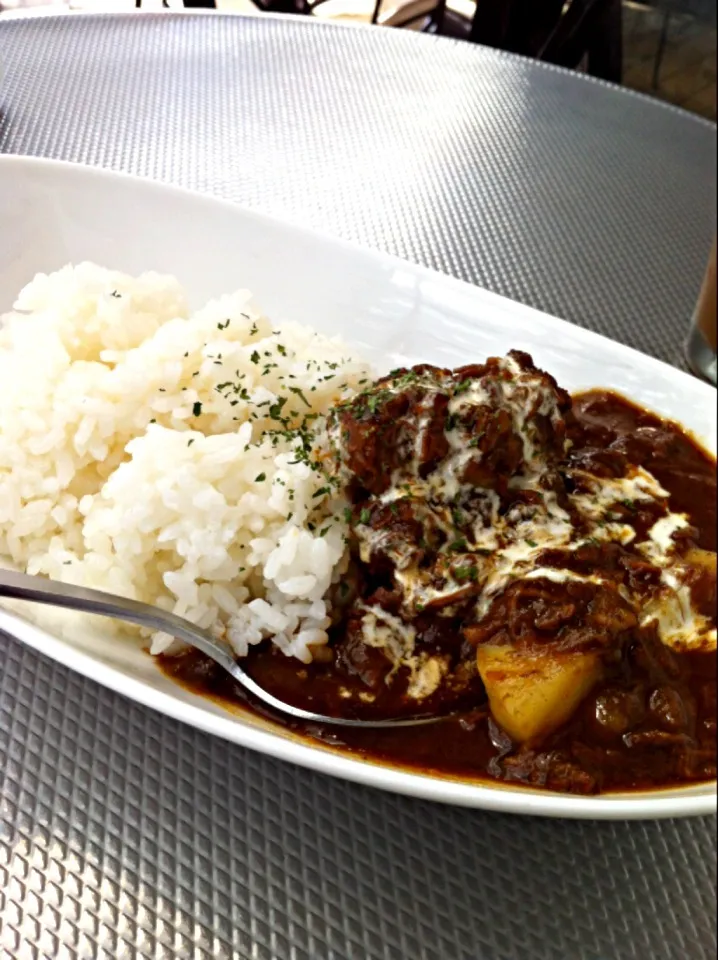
(124, 834)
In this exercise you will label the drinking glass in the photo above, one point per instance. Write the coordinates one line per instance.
(701, 343)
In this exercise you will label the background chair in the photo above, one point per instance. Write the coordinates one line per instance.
(424, 15)
(565, 33)
(207, 4)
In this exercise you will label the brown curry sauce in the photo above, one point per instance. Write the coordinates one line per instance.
(650, 722)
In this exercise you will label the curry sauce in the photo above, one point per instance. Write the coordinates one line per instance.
(498, 523)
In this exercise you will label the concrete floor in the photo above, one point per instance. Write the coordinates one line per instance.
(687, 75)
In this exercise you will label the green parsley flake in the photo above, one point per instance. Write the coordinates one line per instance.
(298, 392)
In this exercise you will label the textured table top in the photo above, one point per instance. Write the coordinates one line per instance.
(125, 834)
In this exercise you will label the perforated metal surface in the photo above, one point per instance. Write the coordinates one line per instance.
(125, 834)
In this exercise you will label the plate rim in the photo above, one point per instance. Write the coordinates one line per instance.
(377, 256)
(350, 246)
(500, 798)
(484, 795)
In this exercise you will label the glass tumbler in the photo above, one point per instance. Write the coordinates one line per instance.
(701, 343)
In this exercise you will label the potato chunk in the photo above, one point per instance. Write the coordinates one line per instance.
(531, 694)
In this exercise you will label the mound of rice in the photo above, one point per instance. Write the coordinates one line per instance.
(165, 456)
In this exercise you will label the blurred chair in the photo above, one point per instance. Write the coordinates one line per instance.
(415, 14)
(238, 6)
(189, 4)
(567, 34)
(423, 15)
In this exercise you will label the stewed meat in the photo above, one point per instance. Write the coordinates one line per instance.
(540, 565)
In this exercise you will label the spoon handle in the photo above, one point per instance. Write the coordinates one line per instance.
(23, 586)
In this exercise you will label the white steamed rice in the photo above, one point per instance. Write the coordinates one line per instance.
(134, 454)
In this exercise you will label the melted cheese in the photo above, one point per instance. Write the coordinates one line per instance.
(389, 633)
(556, 575)
(612, 533)
(444, 483)
(486, 528)
(679, 625)
(534, 397)
(660, 537)
(522, 395)
(426, 676)
(523, 542)
(397, 640)
(475, 396)
(504, 548)
(606, 492)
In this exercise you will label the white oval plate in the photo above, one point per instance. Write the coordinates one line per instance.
(54, 213)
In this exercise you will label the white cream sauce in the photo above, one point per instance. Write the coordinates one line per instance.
(397, 639)
(502, 549)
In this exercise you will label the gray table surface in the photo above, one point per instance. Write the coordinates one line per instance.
(125, 834)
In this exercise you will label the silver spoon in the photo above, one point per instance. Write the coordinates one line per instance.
(22, 586)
